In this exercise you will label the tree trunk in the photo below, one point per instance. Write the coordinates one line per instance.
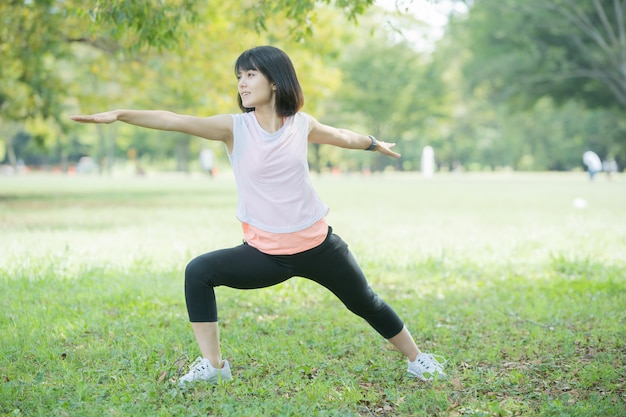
(183, 153)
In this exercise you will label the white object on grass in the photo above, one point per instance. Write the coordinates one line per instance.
(579, 203)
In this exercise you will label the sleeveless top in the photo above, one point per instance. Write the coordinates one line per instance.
(276, 198)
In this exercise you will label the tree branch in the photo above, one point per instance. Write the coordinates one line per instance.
(579, 19)
(619, 15)
(100, 44)
(605, 22)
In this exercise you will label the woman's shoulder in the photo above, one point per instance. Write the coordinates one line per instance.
(241, 116)
(302, 119)
(243, 119)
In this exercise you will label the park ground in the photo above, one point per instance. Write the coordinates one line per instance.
(517, 279)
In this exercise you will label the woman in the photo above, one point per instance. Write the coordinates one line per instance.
(283, 218)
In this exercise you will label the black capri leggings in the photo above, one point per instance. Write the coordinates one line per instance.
(330, 264)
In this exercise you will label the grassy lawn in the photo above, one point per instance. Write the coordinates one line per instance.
(522, 292)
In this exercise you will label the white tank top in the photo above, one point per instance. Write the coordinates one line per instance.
(272, 175)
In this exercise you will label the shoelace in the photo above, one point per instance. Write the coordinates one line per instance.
(197, 366)
(430, 360)
(434, 359)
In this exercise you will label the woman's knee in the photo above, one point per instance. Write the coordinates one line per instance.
(365, 303)
(198, 272)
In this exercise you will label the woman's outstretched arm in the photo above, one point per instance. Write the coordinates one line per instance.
(343, 138)
(218, 127)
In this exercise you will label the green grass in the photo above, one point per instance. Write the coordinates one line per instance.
(523, 293)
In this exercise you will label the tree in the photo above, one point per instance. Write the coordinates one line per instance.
(560, 48)
(389, 90)
(522, 52)
(36, 35)
(197, 75)
(595, 51)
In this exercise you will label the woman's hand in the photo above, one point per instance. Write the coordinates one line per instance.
(106, 117)
(385, 149)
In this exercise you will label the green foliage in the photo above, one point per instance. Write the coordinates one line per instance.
(532, 92)
(512, 85)
(29, 46)
(564, 49)
(389, 90)
(300, 15)
(44, 59)
(136, 25)
(35, 35)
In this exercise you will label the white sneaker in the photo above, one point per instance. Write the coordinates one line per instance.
(426, 366)
(202, 370)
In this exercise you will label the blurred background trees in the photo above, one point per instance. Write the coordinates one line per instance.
(554, 72)
(506, 85)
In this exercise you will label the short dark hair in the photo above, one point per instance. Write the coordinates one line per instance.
(276, 66)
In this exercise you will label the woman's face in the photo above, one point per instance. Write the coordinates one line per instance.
(255, 89)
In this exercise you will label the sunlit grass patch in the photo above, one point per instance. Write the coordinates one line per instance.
(521, 292)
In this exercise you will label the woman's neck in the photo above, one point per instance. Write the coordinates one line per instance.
(270, 121)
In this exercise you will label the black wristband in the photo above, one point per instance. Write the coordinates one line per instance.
(374, 143)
